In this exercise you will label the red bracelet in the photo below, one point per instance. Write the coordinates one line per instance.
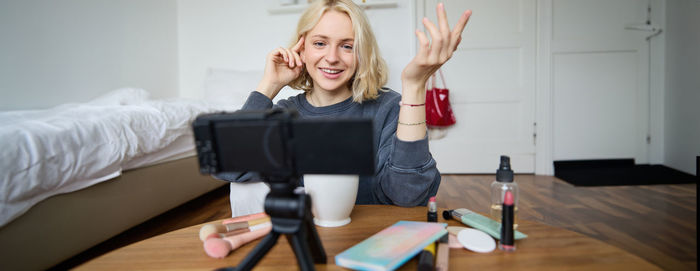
(401, 103)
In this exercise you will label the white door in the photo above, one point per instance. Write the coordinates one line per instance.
(491, 79)
(599, 79)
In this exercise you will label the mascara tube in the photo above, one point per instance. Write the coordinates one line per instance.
(425, 258)
(507, 240)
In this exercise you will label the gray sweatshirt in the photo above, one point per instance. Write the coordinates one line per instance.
(405, 172)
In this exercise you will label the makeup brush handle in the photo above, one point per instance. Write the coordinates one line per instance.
(244, 218)
(244, 224)
(246, 229)
(237, 241)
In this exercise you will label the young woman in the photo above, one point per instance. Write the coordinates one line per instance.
(336, 61)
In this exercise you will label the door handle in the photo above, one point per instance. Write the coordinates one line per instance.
(654, 29)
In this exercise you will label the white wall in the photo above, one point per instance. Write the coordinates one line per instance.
(54, 52)
(230, 34)
(682, 113)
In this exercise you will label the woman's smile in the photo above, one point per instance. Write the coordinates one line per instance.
(331, 73)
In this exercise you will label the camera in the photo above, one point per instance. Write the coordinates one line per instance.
(281, 147)
(278, 143)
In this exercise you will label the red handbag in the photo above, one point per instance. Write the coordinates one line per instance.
(438, 112)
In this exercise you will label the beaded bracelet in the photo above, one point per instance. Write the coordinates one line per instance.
(412, 124)
(401, 103)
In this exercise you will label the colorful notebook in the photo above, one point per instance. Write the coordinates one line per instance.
(391, 247)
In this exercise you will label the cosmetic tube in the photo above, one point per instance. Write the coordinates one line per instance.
(479, 222)
(432, 210)
(507, 243)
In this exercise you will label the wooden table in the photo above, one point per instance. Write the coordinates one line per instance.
(545, 248)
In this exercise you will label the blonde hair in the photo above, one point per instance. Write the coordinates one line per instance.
(371, 72)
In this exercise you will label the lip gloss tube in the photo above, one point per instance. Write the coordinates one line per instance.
(507, 241)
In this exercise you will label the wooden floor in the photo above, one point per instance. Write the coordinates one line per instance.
(656, 222)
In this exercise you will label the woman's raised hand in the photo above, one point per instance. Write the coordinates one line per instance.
(431, 56)
(281, 67)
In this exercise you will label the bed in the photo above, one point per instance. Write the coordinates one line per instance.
(77, 174)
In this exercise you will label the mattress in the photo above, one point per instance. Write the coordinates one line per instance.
(63, 149)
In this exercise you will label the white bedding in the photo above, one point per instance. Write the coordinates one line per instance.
(73, 146)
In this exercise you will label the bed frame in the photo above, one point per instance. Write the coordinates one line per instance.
(65, 225)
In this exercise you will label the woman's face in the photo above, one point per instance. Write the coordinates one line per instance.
(328, 52)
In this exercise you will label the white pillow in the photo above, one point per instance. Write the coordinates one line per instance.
(230, 88)
(122, 96)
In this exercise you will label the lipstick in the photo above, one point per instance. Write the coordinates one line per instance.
(432, 210)
(507, 241)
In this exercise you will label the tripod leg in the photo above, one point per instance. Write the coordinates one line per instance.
(314, 243)
(301, 250)
(254, 256)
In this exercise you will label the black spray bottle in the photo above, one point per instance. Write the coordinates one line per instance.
(504, 182)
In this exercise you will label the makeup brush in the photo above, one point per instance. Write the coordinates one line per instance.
(231, 233)
(244, 218)
(210, 229)
(238, 231)
(220, 247)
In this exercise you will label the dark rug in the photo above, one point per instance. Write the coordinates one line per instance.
(618, 172)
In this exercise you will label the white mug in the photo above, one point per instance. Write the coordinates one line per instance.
(332, 197)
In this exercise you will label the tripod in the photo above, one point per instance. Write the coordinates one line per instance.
(290, 214)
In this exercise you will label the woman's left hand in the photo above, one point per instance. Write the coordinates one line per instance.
(431, 56)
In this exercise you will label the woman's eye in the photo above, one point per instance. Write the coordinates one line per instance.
(347, 47)
(319, 44)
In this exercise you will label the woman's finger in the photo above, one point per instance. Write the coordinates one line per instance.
(442, 21)
(436, 42)
(297, 59)
(296, 49)
(444, 32)
(291, 61)
(459, 28)
(280, 53)
(424, 44)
